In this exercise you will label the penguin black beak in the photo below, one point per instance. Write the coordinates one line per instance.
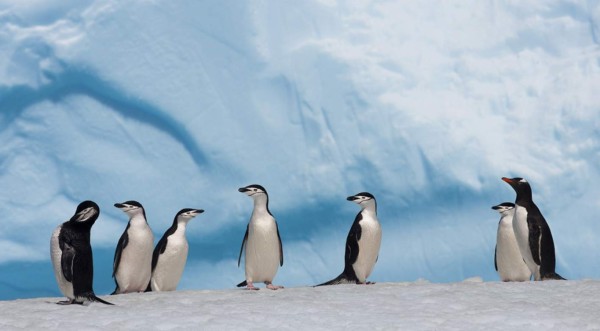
(198, 211)
(243, 190)
(119, 205)
(495, 207)
(352, 198)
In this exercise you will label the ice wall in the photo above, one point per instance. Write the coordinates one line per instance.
(177, 104)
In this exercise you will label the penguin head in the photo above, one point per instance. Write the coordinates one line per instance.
(86, 212)
(253, 190)
(363, 199)
(504, 207)
(187, 214)
(131, 207)
(520, 185)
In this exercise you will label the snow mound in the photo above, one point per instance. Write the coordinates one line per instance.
(472, 305)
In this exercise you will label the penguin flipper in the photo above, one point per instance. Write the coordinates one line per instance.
(66, 261)
(159, 249)
(244, 244)
(242, 284)
(352, 242)
(123, 241)
(495, 258)
(280, 246)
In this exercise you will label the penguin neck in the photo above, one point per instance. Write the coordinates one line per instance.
(370, 208)
(524, 196)
(261, 204)
(506, 217)
(181, 224)
(138, 220)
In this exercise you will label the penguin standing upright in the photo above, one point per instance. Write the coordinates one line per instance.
(133, 255)
(362, 243)
(264, 251)
(532, 232)
(507, 256)
(71, 254)
(170, 254)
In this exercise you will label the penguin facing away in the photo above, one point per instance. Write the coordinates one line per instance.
(133, 254)
(532, 232)
(170, 254)
(362, 244)
(71, 255)
(262, 242)
(507, 257)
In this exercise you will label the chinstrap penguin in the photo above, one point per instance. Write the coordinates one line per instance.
(133, 255)
(532, 232)
(507, 257)
(71, 255)
(264, 251)
(170, 254)
(362, 243)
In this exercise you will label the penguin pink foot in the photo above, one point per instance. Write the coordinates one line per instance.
(251, 286)
(273, 287)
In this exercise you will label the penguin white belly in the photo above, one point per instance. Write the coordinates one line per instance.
(509, 260)
(521, 230)
(135, 267)
(170, 265)
(262, 252)
(65, 286)
(368, 248)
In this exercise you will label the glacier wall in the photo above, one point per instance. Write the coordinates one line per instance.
(177, 104)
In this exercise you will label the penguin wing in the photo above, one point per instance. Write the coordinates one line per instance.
(546, 247)
(280, 246)
(495, 256)
(160, 248)
(352, 241)
(535, 230)
(67, 258)
(123, 241)
(244, 243)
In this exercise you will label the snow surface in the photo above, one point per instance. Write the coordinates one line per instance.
(470, 305)
(178, 103)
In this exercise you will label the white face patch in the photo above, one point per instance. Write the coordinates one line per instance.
(252, 191)
(522, 180)
(85, 214)
(362, 199)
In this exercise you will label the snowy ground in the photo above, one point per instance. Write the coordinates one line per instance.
(470, 305)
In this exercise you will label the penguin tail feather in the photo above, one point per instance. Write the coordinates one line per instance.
(242, 284)
(341, 279)
(553, 276)
(95, 298)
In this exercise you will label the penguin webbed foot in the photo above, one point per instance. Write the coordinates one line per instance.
(270, 286)
(66, 302)
(250, 286)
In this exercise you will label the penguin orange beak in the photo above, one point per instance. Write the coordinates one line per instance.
(508, 180)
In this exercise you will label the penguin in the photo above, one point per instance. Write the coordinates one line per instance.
(532, 233)
(507, 257)
(264, 251)
(362, 244)
(132, 266)
(170, 254)
(71, 254)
